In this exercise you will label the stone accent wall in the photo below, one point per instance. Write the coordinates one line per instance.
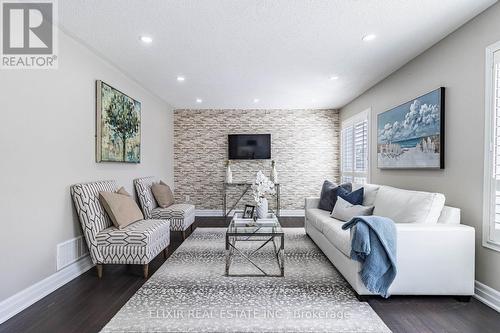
(304, 143)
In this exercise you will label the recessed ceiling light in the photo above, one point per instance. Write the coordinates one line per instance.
(199, 100)
(369, 37)
(334, 77)
(181, 78)
(256, 100)
(146, 39)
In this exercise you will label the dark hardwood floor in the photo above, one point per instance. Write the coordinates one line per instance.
(86, 304)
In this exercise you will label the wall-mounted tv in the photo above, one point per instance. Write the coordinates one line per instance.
(249, 146)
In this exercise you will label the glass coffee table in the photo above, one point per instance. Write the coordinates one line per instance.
(263, 232)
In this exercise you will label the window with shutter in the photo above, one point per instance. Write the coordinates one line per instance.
(491, 214)
(354, 152)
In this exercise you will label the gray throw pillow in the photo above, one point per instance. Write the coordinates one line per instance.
(345, 211)
(328, 195)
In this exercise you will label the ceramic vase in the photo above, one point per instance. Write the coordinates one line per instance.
(262, 209)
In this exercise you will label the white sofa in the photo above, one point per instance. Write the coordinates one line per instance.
(435, 253)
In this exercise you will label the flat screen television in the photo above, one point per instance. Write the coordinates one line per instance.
(249, 146)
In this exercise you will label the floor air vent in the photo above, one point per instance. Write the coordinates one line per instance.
(70, 251)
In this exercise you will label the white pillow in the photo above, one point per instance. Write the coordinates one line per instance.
(345, 211)
(404, 206)
(369, 192)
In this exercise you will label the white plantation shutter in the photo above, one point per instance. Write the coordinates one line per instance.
(354, 154)
(491, 220)
(360, 146)
(347, 149)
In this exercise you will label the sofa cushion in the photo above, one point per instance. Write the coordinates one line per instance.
(121, 209)
(344, 210)
(449, 215)
(163, 194)
(354, 197)
(404, 206)
(369, 193)
(339, 238)
(328, 195)
(317, 217)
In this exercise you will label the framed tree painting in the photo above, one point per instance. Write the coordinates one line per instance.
(118, 126)
(411, 135)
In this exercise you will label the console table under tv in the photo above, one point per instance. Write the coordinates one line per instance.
(245, 187)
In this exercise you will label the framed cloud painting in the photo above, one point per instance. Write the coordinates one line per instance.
(411, 136)
(118, 126)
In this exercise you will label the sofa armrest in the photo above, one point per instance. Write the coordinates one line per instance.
(312, 202)
(439, 256)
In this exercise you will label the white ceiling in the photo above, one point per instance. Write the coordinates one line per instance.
(279, 51)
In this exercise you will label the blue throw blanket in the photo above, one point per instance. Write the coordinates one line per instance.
(374, 245)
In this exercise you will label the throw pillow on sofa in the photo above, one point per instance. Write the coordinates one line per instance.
(163, 194)
(123, 191)
(369, 192)
(121, 209)
(354, 197)
(406, 206)
(328, 196)
(344, 210)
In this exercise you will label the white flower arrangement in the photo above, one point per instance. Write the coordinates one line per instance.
(262, 187)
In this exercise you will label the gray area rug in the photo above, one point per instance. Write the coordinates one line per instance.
(189, 292)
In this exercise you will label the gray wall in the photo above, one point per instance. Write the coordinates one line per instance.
(457, 63)
(305, 146)
(47, 143)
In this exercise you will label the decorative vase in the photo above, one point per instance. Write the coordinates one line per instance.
(274, 173)
(262, 209)
(229, 174)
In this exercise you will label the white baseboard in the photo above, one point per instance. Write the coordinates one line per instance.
(293, 212)
(487, 295)
(218, 212)
(20, 301)
(209, 212)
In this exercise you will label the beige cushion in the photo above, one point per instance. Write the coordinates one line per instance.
(121, 209)
(123, 191)
(163, 194)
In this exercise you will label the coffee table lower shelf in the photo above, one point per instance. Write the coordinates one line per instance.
(276, 238)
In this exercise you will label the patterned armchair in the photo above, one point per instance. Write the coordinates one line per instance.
(138, 243)
(181, 216)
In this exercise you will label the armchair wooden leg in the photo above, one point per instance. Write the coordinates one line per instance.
(183, 234)
(99, 270)
(145, 270)
(165, 253)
